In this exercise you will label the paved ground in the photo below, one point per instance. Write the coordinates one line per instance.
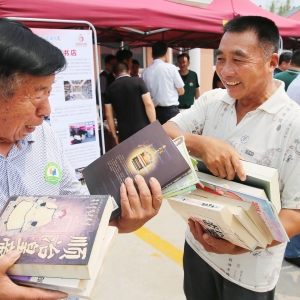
(147, 264)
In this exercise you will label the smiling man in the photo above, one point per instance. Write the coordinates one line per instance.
(29, 147)
(252, 119)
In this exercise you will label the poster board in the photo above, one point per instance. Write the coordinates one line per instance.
(73, 100)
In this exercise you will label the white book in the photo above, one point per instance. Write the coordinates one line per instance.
(215, 219)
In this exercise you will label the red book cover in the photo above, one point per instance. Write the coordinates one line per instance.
(150, 152)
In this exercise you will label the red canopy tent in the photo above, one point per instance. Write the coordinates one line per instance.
(137, 22)
(288, 29)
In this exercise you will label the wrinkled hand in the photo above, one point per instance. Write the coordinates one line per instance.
(221, 159)
(212, 244)
(138, 208)
(11, 291)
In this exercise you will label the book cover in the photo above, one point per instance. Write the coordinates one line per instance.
(58, 236)
(73, 287)
(258, 176)
(215, 219)
(150, 152)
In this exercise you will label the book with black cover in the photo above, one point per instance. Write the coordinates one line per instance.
(150, 152)
(58, 236)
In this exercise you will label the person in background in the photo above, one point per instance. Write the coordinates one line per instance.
(29, 146)
(252, 119)
(109, 61)
(217, 83)
(122, 55)
(292, 72)
(284, 62)
(164, 83)
(129, 98)
(190, 79)
(292, 251)
(293, 90)
(134, 71)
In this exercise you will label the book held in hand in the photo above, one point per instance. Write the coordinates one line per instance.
(242, 192)
(215, 219)
(149, 152)
(58, 236)
(82, 289)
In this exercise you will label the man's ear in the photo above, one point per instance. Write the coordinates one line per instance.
(273, 61)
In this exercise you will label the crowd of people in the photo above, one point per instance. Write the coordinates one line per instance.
(247, 115)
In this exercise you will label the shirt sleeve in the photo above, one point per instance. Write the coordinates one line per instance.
(143, 88)
(108, 96)
(192, 120)
(103, 84)
(197, 82)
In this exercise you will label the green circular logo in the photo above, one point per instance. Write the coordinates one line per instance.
(52, 173)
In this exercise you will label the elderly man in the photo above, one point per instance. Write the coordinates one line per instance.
(254, 119)
(28, 146)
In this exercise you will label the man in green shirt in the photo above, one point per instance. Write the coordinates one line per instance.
(291, 73)
(190, 79)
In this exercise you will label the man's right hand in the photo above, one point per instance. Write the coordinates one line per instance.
(220, 158)
(11, 291)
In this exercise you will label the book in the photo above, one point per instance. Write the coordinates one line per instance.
(247, 207)
(58, 236)
(258, 176)
(150, 152)
(263, 206)
(74, 287)
(189, 180)
(215, 219)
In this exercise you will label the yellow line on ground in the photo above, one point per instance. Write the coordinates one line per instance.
(159, 244)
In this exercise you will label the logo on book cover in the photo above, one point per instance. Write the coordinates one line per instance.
(53, 173)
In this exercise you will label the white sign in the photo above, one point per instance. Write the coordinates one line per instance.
(73, 105)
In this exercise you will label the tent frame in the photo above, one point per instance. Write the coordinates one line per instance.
(96, 59)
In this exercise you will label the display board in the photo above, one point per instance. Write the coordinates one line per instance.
(73, 100)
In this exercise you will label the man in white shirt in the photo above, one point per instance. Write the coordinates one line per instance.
(164, 83)
(251, 119)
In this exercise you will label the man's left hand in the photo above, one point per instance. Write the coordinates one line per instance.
(212, 244)
(138, 208)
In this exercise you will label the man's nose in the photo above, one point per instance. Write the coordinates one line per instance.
(44, 108)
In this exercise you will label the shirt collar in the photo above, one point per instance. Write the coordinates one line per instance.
(123, 75)
(157, 61)
(276, 102)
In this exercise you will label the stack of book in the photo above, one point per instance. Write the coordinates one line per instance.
(246, 214)
(64, 240)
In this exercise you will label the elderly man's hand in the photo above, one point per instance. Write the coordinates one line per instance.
(138, 208)
(212, 244)
(221, 159)
(11, 291)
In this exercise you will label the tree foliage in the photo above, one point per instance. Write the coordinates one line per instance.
(280, 9)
